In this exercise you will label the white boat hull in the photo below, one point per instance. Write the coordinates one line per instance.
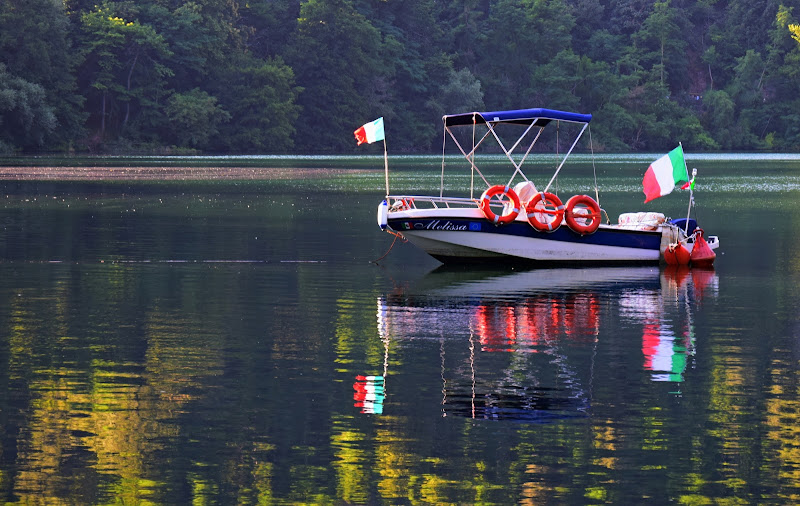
(465, 245)
(466, 235)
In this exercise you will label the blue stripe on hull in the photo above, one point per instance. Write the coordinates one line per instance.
(639, 239)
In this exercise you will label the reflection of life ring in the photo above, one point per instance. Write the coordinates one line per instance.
(545, 212)
(583, 214)
(499, 219)
(497, 327)
(581, 316)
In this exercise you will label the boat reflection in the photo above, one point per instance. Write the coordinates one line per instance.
(522, 346)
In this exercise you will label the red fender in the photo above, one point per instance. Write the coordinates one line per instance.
(676, 254)
(702, 254)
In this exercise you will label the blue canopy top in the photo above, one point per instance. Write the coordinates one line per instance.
(539, 117)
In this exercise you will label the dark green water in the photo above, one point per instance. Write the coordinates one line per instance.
(218, 342)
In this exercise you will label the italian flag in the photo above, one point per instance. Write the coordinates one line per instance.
(663, 174)
(371, 132)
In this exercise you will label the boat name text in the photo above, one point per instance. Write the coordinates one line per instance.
(438, 225)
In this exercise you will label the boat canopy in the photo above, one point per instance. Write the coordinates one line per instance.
(539, 117)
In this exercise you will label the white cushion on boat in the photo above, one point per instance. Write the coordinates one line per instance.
(641, 221)
(525, 190)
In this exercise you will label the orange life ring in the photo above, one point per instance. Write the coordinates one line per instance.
(499, 219)
(541, 208)
(582, 214)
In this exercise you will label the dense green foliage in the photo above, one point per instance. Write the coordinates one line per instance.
(275, 76)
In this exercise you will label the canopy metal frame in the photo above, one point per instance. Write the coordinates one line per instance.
(532, 119)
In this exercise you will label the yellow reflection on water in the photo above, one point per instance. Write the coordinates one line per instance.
(99, 425)
(350, 464)
(782, 418)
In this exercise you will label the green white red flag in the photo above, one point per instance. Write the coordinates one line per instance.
(664, 174)
(370, 132)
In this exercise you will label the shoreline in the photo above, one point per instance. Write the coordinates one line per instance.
(165, 173)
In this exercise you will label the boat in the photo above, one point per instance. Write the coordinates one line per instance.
(515, 220)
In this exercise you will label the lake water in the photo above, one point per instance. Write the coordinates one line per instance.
(232, 342)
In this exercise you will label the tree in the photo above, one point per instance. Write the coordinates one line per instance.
(124, 69)
(783, 82)
(534, 33)
(555, 82)
(195, 117)
(302, 74)
(660, 47)
(615, 127)
(261, 96)
(795, 31)
(627, 16)
(205, 38)
(747, 92)
(462, 22)
(36, 46)
(272, 24)
(26, 119)
(460, 93)
(605, 46)
(414, 64)
(719, 117)
(336, 56)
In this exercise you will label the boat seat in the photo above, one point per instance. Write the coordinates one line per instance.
(525, 190)
(681, 224)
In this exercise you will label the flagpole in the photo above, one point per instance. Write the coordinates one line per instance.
(386, 166)
(683, 155)
(691, 198)
(691, 192)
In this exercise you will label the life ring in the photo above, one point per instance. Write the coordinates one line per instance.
(499, 219)
(582, 214)
(545, 212)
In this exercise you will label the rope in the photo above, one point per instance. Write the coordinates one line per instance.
(396, 235)
(693, 235)
(444, 144)
(558, 157)
(694, 207)
(472, 158)
(594, 170)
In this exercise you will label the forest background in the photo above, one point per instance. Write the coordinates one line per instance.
(285, 76)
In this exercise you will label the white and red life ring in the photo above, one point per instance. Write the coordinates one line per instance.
(545, 212)
(582, 214)
(499, 219)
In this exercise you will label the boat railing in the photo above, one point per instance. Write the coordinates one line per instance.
(427, 201)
